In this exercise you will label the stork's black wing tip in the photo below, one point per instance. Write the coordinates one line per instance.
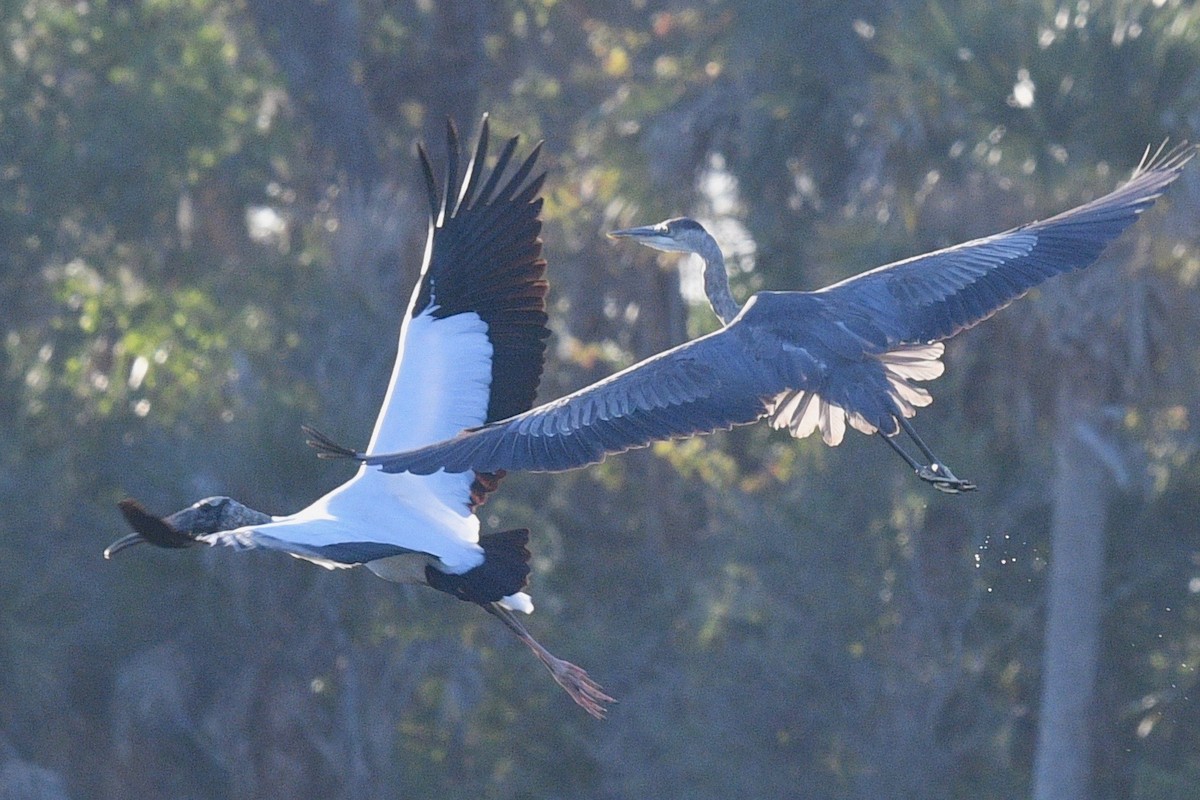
(325, 446)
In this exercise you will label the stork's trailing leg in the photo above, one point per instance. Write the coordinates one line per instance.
(583, 690)
(934, 472)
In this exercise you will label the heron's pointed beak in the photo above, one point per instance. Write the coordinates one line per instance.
(655, 237)
(644, 232)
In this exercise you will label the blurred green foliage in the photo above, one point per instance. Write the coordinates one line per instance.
(196, 257)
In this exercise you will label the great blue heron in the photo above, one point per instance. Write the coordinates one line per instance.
(472, 348)
(805, 360)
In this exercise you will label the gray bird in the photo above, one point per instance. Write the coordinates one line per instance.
(848, 353)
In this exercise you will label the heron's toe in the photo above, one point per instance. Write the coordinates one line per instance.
(944, 480)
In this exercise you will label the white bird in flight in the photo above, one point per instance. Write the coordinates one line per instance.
(472, 347)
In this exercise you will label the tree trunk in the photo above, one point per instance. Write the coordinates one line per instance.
(317, 46)
(1081, 488)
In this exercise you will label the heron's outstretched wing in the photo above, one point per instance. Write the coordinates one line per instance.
(787, 348)
(710, 383)
(934, 296)
(473, 343)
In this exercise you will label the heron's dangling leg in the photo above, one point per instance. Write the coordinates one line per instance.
(583, 690)
(934, 472)
(891, 442)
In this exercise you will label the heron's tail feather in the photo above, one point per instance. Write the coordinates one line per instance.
(904, 365)
(803, 412)
(504, 571)
(868, 402)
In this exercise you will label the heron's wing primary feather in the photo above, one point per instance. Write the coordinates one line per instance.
(473, 342)
(708, 384)
(936, 295)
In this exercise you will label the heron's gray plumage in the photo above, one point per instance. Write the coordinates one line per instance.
(714, 382)
(845, 354)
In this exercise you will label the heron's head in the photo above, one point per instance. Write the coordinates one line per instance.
(678, 235)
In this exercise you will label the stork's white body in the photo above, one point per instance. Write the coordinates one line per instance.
(397, 525)
(471, 351)
(440, 385)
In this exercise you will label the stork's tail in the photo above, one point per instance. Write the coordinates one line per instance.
(504, 571)
(325, 446)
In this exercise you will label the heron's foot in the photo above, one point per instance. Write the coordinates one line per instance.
(579, 685)
(943, 479)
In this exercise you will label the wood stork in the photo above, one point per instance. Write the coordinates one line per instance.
(804, 360)
(471, 351)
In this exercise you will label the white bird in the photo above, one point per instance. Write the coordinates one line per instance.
(472, 347)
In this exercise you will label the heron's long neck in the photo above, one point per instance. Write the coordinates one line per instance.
(716, 281)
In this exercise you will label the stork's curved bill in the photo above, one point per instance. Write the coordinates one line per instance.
(848, 354)
(471, 351)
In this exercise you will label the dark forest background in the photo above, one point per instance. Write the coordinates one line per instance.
(210, 219)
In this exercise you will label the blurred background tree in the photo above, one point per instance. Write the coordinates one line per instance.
(209, 223)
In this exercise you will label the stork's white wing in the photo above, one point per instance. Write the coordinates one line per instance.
(472, 344)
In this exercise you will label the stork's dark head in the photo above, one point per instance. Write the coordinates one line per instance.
(181, 529)
(677, 235)
(210, 515)
(148, 529)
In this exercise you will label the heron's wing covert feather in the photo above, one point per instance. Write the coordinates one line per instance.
(708, 384)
